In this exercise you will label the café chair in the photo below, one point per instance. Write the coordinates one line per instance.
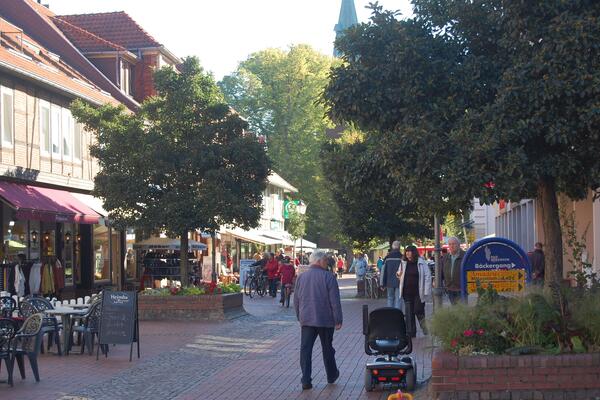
(27, 342)
(8, 330)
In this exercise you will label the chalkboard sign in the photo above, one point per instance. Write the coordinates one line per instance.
(118, 321)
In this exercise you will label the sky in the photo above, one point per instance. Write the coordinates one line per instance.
(221, 33)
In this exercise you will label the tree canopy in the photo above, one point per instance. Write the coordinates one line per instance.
(487, 99)
(185, 161)
(277, 91)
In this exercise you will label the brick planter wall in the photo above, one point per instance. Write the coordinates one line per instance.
(194, 308)
(535, 377)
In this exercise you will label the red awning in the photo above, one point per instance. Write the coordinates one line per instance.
(48, 205)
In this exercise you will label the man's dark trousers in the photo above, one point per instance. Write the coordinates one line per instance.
(307, 341)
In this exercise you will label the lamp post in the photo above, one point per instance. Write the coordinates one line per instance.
(301, 207)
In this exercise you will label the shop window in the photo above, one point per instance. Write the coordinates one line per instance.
(48, 239)
(15, 236)
(7, 123)
(101, 253)
(44, 127)
(34, 240)
(70, 252)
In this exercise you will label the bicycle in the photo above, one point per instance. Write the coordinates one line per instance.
(250, 284)
(287, 294)
(257, 282)
(372, 288)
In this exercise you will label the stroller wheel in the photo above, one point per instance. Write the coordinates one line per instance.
(411, 378)
(368, 381)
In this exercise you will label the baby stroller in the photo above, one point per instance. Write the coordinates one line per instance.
(387, 337)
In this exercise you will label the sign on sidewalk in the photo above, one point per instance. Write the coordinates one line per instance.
(119, 320)
(496, 261)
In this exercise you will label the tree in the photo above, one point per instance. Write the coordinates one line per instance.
(278, 92)
(401, 84)
(543, 123)
(363, 192)
(510, 87)
(185, 161)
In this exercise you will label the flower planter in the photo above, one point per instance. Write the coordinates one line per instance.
(572, 376)
(191, 308)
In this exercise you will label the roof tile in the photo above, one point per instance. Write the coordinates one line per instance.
(84, 40)
(116, 27)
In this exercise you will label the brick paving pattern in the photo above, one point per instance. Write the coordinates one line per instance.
(251, 357)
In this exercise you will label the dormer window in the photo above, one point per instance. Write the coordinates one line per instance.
(125, 77)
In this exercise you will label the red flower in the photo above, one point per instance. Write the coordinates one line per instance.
(468, 333)
(481, 332)
(454, 343)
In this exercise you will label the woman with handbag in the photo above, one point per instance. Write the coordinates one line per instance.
(415, 285)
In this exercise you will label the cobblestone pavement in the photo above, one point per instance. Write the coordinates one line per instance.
(252, 357)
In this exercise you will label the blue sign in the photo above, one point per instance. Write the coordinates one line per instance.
(497, 261)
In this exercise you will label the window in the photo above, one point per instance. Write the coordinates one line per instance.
(44, 127)
(77, 133)
(67, 133)
(55, 129)
(7, 118)
(125, 78)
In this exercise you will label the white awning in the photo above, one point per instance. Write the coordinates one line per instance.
(252, 236)
(276, 180)
(305, 244)
(282, 237)
(156, 243)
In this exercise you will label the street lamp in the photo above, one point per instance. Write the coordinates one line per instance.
(301, 207)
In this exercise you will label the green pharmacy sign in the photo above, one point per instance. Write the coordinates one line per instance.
(290, 206)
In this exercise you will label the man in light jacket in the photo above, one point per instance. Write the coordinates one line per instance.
(319, 311)
(388, 276)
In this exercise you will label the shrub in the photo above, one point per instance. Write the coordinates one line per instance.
(557, 321)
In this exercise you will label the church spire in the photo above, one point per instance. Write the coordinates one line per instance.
(346, 20)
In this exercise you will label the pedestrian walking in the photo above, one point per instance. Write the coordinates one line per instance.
(451, 269)
(361, 267)
(388, 277)
(379, 264)
(415, 285)
(340, 266)
(319, 311)
(538, 265)
(272, 269)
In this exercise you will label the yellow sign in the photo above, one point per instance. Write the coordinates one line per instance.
(496, 275)
(500, 286)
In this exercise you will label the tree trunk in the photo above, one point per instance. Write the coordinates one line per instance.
(213, 275)
(392, 238)
(183, 260)
(553, 248)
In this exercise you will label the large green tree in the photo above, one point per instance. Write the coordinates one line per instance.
(499, 97)
(277, 91)
(183, 162)
(365, 194)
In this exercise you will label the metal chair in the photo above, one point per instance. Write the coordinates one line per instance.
(8, 330)
(7, 306)
(50, 324)
(28, 342)
(89, 326)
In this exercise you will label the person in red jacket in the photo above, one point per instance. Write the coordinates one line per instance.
(272, 268)
(287, 273)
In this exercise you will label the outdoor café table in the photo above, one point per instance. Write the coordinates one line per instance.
(65, 314)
